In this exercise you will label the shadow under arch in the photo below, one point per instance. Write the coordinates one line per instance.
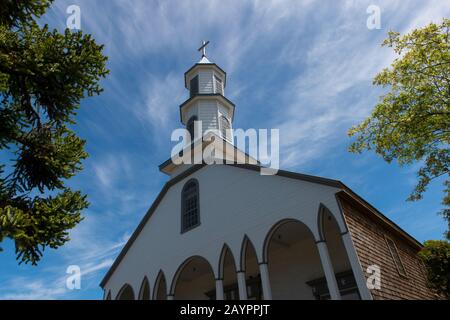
(125, 293)
(144, 291)
(249, 266)
(322, 214)
(223, 255)
(331, 234)
(200, 268)
(227, 273)
(293, 260)
(274, 229)
(160, 287)
(108, 296)
(246, 245)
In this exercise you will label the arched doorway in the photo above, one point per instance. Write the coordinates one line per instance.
(331, 234)
(227, 272)
(144, 292)
(293, 261)
(249, 265)
(160, 288)
(126, 293)
(194, 280)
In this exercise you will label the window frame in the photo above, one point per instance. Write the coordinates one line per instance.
(185, 229)
(404, 273)
(221, 127)
(218, 80)
(346, 285)
(253, 287)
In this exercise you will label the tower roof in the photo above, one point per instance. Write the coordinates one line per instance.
(204, 63)
(204, 60)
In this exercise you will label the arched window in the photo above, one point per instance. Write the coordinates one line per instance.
(190, 126)
(190, 206)
(224, 126)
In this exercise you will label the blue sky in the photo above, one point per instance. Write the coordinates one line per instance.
(305, 67)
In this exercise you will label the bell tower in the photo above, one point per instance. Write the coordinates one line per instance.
(207, 114)
(206, 83)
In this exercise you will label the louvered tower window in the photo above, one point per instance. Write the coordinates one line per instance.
(218, 84)
(190, 206)
(224, 126)
(193, 86)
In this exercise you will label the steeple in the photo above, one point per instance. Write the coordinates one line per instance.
(207, 103)
(206, 83)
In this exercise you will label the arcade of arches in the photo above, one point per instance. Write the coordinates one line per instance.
(294, 266)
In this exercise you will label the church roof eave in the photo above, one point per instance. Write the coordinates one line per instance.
(348, 194)
(168, 165)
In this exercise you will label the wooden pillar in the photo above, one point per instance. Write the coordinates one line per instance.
(356, 267)
(265, 281)
(242, 285)
(219, 289)
(327, 267)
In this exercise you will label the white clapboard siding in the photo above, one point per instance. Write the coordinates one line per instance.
(205, 79)
(207, 113)
(192, 111)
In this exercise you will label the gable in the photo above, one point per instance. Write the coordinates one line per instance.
(181, 177)
(217, 184)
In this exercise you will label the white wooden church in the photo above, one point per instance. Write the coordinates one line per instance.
(227, 232)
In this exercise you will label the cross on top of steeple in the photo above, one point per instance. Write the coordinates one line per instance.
(203, 48)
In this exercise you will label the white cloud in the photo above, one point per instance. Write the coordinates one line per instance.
(33, 290)
(430, 11)
(343, 57)
(110, 168)
(49, 286)
(91, 256)
(161, 98)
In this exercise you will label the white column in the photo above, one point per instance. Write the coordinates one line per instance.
(219, 289)
(356, 267)
(242, 285)
(327, 267)
(265, 281)
(170, 297)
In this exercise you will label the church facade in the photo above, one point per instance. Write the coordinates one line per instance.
(226, 232)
